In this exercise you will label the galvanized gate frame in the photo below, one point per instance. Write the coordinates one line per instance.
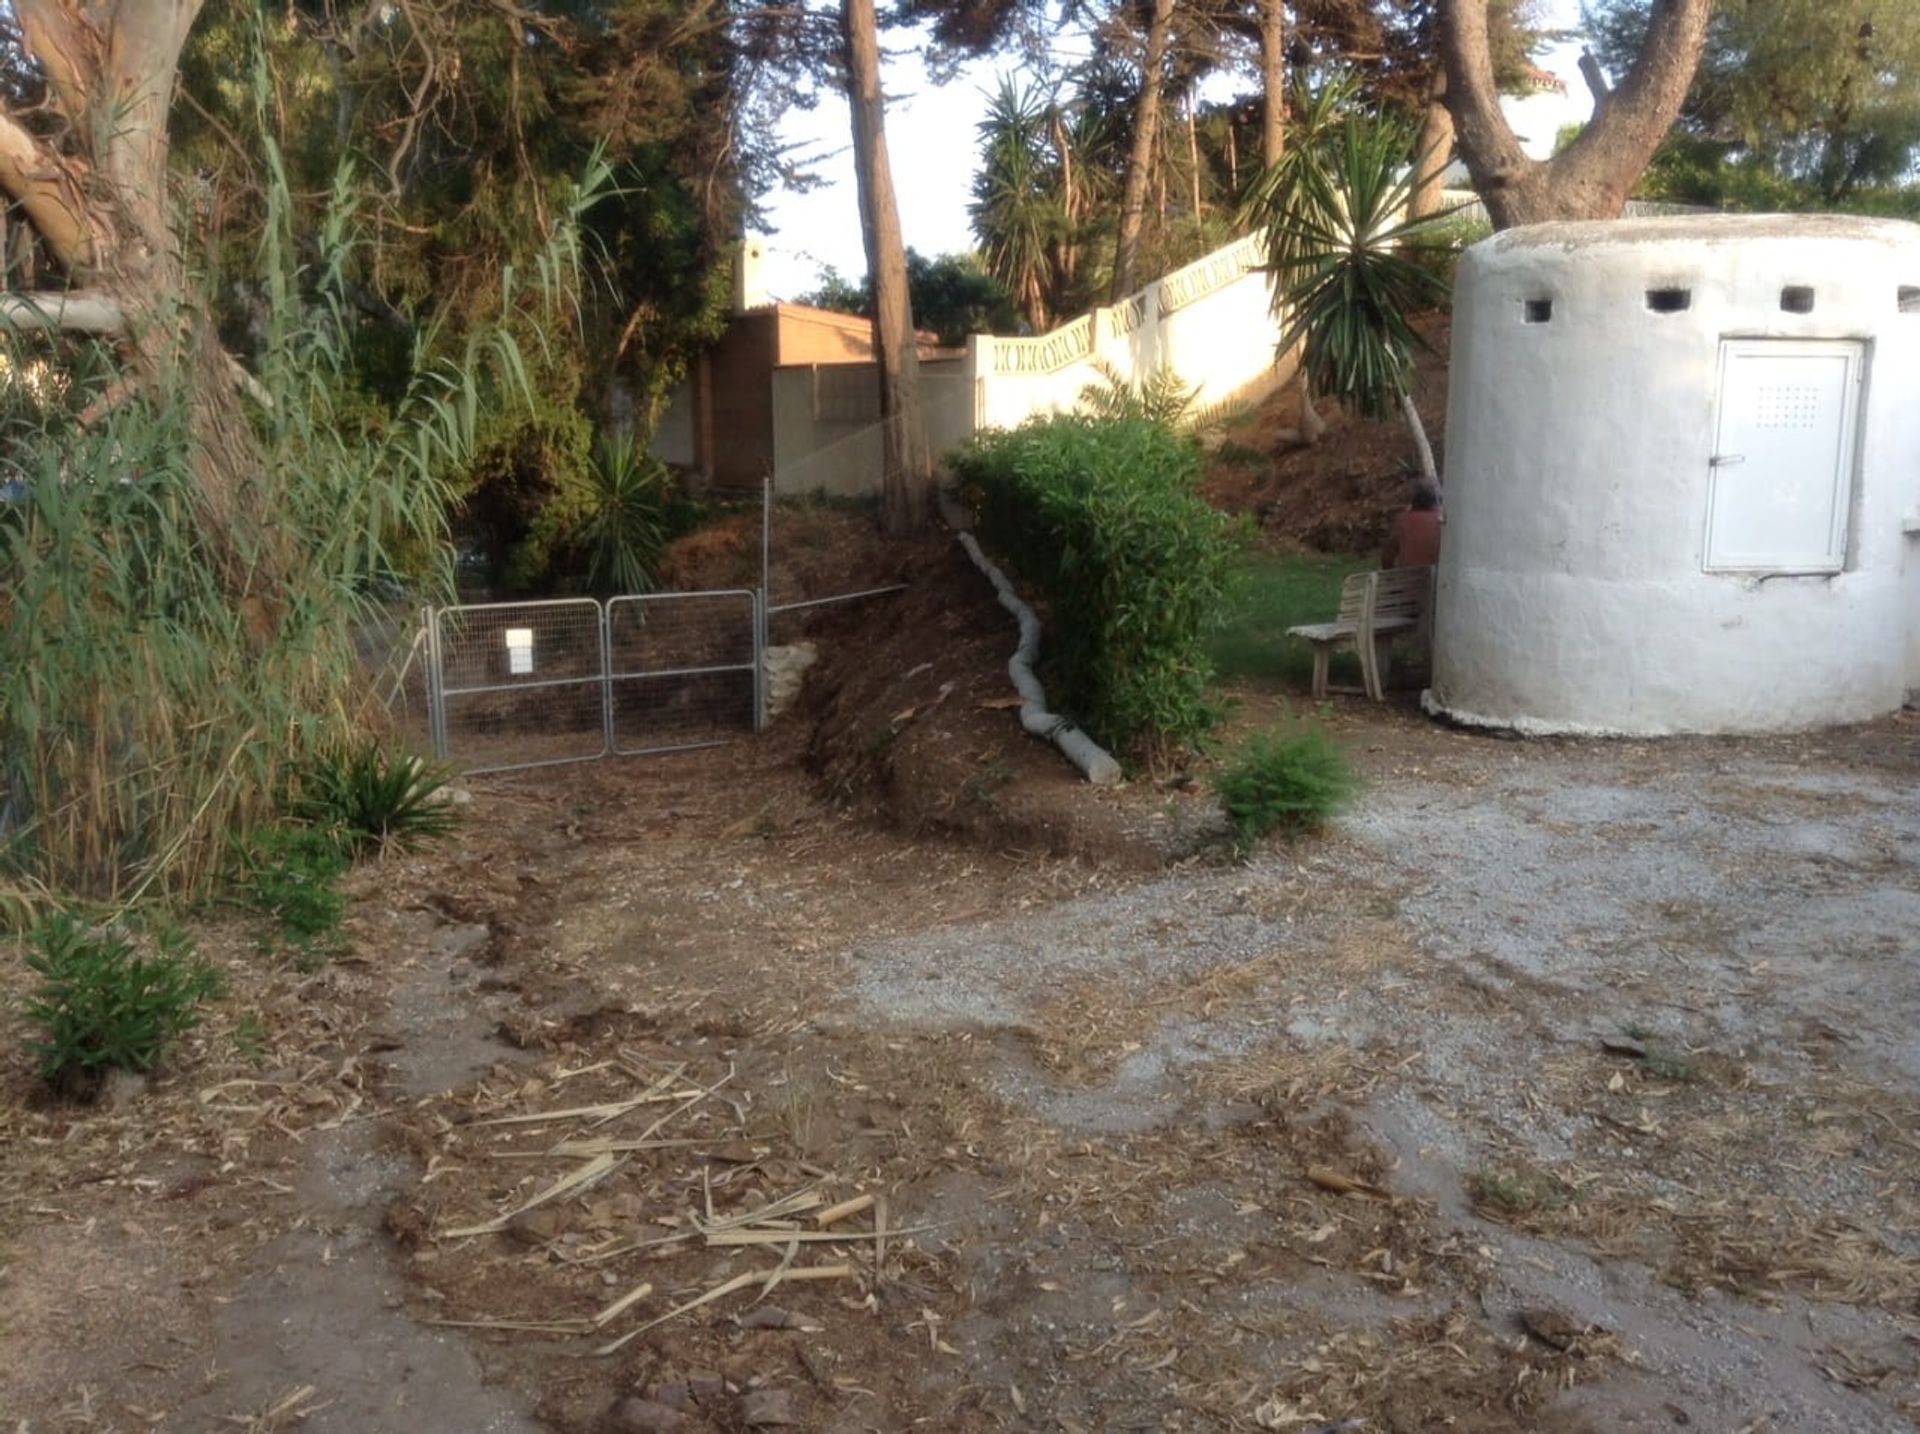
(438, 692)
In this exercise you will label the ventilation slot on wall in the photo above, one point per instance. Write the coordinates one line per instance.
(1669, 301)
(1539, 311)
(1910, 298)
(1797, 299)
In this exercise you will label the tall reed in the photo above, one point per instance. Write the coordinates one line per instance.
(149, 711)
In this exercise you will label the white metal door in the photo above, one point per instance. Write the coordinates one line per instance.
(1782, 479)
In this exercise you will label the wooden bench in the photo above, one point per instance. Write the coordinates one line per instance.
(1375, 608)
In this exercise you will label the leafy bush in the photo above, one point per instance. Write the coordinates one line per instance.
(102, 1004)
(292, 874)
(1104, 517)
(374, 798)
(1292, 783)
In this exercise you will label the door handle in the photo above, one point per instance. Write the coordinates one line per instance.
(1726, 460)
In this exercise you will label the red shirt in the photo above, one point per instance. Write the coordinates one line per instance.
(1416, 539)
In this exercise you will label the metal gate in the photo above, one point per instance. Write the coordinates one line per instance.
(536, 684)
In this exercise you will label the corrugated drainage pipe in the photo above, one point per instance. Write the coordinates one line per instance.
(1079, 748)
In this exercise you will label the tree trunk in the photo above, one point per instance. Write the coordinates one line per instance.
(1433, 153)
(1273, 81)
(1312, 426)
(1193, 156)
(99, 199)
(1146, 129)
(1593, 176)
(906, 489)
(1422, 449)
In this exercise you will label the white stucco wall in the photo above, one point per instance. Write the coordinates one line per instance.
(1210, 324)
(1572, 595)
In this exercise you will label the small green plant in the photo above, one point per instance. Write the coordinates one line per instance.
(376, 799)
(292, 874)
(1656, 1060)
(1160, 397)
(1520, 1192)
(250, 1038)
(1283, 783)
(103, 1004)
(981, 787)
(1663, 1065)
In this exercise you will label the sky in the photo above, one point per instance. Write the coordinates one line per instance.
(930, 139)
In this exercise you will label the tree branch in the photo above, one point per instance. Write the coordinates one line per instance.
(48, 192)
(1486, 140)
(72, 310)
(1596, 79)
(1639, 113)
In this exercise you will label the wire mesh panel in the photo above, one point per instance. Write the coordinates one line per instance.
(683, 669)
(520, 684)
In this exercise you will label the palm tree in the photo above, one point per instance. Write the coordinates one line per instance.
(1347, 266)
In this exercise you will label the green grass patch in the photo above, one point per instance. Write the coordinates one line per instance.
(291, 873)
(1269, 593)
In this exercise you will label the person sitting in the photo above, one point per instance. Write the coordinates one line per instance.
(1415, 539)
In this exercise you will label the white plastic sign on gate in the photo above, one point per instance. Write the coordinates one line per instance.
(519, 651)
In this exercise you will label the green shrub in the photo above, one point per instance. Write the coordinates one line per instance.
(374, 798)
(292, 874)
(102, 1004)
(1104, 518)
(1283, 783)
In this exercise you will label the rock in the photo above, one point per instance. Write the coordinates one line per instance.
(768, 1409)
(706, 1386)
(643, 1416)
(1551, 1327)
(674, 1394)
(536, 1227)
(122, 1088)
(453, 942)
(785, 671)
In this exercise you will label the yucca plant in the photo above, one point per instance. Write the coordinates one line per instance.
(373, 798)
(624, 523)
(1348, 263)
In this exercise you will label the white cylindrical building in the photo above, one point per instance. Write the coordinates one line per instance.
(1683, 477)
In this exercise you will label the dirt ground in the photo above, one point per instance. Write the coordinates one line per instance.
(1338, 495)
(1564, 1086)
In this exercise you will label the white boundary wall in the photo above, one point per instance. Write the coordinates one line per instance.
(1211, 325)
(1574, 594)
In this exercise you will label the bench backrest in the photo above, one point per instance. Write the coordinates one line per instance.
(1400, 592)
(1353, 597)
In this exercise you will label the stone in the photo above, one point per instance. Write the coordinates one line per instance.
(784, 670)
(453, 942)
(768, 1409)
(644, 1416)
(122, 1088)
